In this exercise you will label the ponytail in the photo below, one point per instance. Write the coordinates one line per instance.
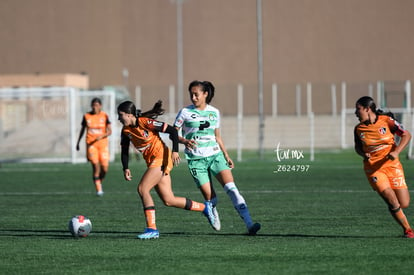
(156, 111)
(368, 102)
(381, 112)
(129, 108)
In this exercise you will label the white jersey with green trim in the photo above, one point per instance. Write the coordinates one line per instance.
(199, 125)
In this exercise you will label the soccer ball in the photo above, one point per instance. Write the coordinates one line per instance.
(80, 226)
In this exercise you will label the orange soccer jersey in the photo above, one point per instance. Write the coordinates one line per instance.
(377, 139)
(96, 125)
(146, 139)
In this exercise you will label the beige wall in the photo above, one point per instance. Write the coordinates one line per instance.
(321, 41)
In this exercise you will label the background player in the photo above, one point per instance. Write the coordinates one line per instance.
(143, 132)
(206, 153)
(374, 141)
(98, 127)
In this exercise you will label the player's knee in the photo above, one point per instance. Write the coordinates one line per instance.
(404, 205)
(141, 190)
(168, 201)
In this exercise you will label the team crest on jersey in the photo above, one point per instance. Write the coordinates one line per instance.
(211, 117)
(382, 130)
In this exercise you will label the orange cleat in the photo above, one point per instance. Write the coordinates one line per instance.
(409, 233)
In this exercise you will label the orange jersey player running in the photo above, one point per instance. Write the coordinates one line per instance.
(98, 127)
(142, 131)
(374, 141)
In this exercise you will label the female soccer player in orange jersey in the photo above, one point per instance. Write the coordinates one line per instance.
(142, 130)
(374, 141)
(98, 127)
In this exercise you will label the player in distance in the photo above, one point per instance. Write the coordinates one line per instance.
(142, 130)
(374, 141)
(98, 129)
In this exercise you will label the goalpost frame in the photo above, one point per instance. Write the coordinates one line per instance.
(53, 116)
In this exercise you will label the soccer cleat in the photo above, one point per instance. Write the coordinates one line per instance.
(208, 212)
(253, 229)
(100, 193)
(409, 234)
(217, 224)
(148, 234)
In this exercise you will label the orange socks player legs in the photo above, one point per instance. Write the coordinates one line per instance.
(194, 206)
(98, 186)
(401, 219)
(150, 217)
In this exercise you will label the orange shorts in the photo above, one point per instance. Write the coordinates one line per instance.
(161, 158)
(98, 153)
(390, 174)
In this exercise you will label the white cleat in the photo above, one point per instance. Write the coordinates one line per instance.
(217, 224)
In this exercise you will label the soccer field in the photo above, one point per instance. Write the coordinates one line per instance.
(318, 219)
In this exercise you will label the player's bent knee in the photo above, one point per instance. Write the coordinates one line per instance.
(169, 202)
(404, 205)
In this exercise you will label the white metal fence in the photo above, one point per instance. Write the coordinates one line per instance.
(42, 124)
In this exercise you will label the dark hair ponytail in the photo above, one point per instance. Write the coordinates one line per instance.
(368, 102)
(129, 108)
(206, 86)
(156, 110)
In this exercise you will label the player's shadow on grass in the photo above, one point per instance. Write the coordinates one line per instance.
(64, 234)
(218, 235)
(33, 233)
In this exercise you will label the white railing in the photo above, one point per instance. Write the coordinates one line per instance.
(310, 115)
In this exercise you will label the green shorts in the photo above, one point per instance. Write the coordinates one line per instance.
(201, 169)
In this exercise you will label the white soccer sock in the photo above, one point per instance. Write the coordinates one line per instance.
(238, 202)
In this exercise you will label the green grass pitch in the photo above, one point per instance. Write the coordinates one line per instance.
(325, 220)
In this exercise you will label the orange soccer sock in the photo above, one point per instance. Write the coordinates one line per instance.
(150, 217)
(194, 206)
(98, 184)
(400, 217)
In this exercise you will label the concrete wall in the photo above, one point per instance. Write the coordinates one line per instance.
(321, 41)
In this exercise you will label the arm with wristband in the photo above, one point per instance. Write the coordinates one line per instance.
(173, 134)
(125, 157)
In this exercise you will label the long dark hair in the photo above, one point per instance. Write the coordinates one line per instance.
(206, 86)
(130, 108)
(368, 102)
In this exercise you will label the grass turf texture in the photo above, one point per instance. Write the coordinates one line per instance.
(324, 220)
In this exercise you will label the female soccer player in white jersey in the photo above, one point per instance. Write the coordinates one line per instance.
(205, 151)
